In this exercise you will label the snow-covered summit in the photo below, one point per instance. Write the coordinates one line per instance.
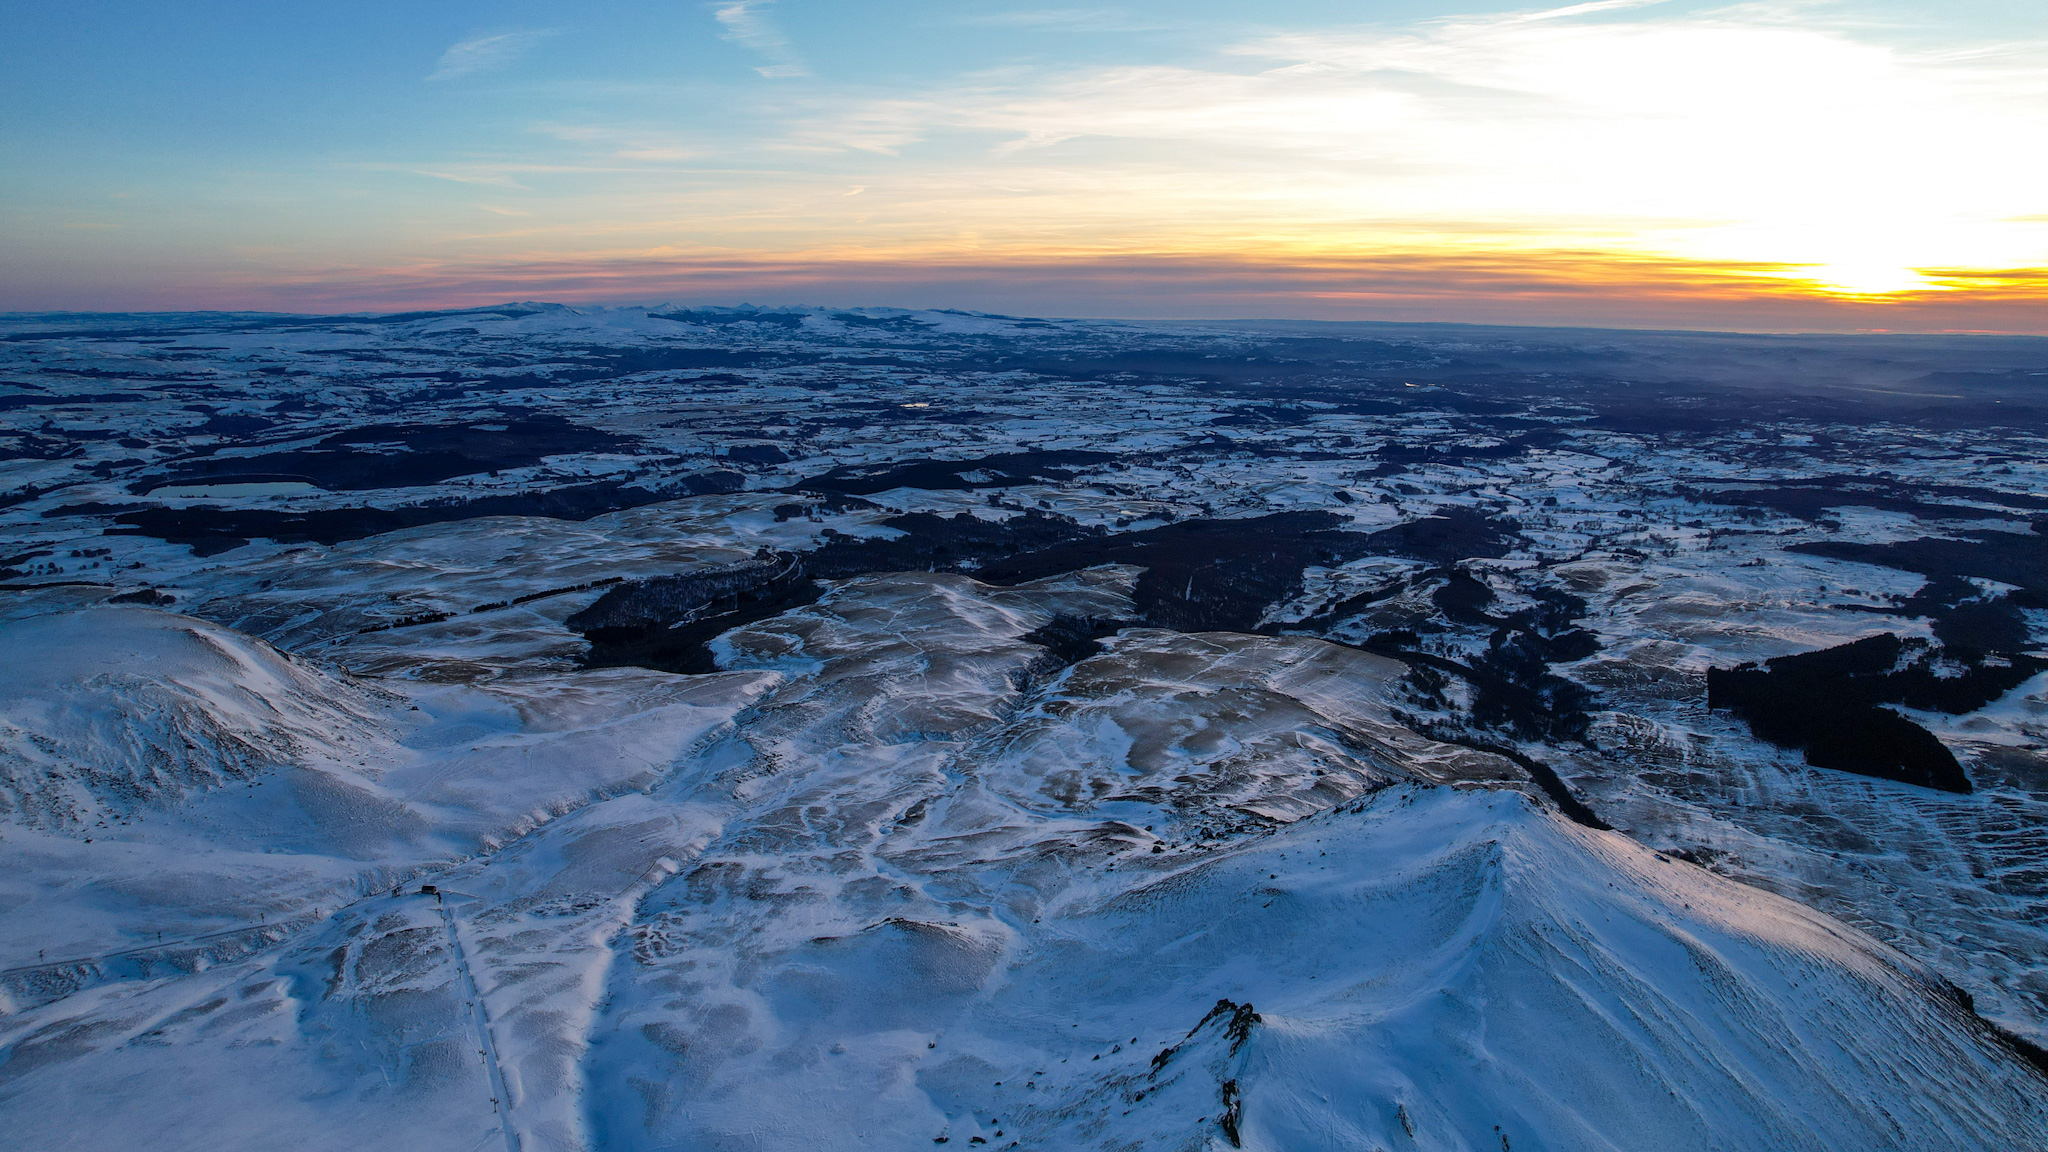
(106, 711)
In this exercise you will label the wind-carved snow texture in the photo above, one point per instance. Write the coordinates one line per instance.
(125, 708)
(793, 729)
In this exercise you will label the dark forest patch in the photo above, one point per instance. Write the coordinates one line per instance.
(1472, 405)
(668, 623)
(29, 446)
(1513, 689)
(1157, 364)
(958, 543)
(1449, 536)
(1203, 575)
(1200, 576)
(94, 508)
(360, 319)
(510, 313)
(130, 374)
(1409, 454)
(1546, 633)
(665, 622)
(236, 425)
(403, 455)
(1006, 470)
(1068, 640)
(1464, 598)
(756, 454)
(1968, 620)
(2007, 557)
(1373, 407)
(627, 361)
(149, 597)
(1810, 500)
(786, 320)
(904, 324)
(1661, 421)
(9, 403)
(1829, 704)
(1337, 350)
(210, 530)
(1265, 415)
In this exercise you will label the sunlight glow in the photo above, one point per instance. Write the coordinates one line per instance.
(1849, 165)
(1744, 139)
(1760, 148)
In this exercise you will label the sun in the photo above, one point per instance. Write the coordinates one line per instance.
(1873, 279)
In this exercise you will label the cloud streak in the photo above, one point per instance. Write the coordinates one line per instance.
(1555, 287)
(1068, 20)
(747, 24)
(485, 53)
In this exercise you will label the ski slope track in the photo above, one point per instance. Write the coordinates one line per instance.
(658, 728)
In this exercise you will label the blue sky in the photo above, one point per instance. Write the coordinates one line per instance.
(1313, 158)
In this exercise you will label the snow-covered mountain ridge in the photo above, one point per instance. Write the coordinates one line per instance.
(794, 728)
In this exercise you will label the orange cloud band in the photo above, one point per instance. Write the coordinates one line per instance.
(1555, 287)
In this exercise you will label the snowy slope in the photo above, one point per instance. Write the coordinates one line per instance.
(323, 824)
(869, 915)
(1438, 970)
(237, 796)
(109, 711)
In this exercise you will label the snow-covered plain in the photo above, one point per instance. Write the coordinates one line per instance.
(795, 729)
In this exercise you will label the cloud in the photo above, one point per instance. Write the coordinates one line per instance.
(1550, 287)
(1068, 20)
(495, 179)
(1583, 9)
(1806, 153)
(748, 26)
(635, 142)
(1740, 136)
(484, 53)
(1751, 167)
(490, 173)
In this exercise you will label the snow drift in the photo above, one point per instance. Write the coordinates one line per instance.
(119, 707)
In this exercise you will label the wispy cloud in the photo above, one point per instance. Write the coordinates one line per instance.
(489, 173)
(747, 25)
(488, 178)
(1068, 20)
(1560, 286)
(484, 53)
(1582, 10)
(627, 142)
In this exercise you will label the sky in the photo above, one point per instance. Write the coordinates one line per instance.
(1784, 165)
